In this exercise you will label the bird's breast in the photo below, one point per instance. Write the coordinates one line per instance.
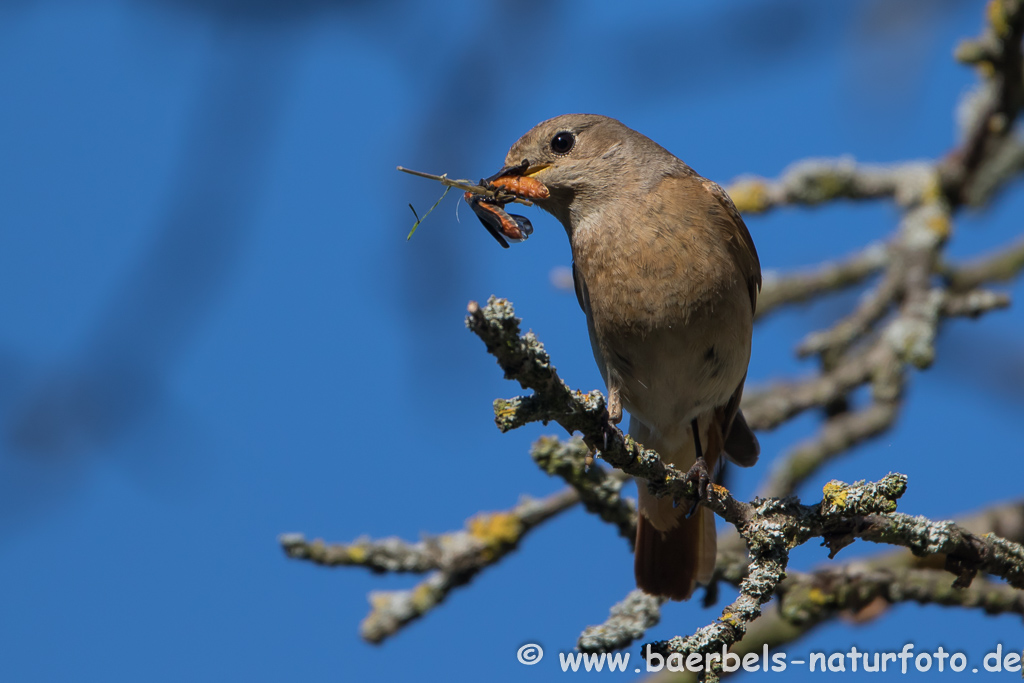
(670, 322)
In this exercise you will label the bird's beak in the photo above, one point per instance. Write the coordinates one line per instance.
(524, 169)
(533, 170)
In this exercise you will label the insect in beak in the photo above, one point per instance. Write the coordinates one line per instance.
(511, 182)
(500, 224)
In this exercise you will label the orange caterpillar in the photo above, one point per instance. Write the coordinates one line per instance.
(522, 186)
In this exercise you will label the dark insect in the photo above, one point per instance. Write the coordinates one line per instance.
(500, 224)
(491, 210)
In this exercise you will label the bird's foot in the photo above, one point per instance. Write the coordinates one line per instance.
(609, 430)
(700, 476)
(608, 433)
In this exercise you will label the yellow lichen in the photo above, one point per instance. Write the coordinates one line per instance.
(939, 224)
(749, 196)
(834, 493)
(423, 598)
(932, 192)
(817, 596)
(356, 554)
(504, 410)
(829, 186)
(497, 529)
(731, 618)
(997, 18)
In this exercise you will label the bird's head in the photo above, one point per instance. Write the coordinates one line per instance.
(584, 161)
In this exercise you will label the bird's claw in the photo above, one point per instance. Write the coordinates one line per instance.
(608, 434)
(699, 475)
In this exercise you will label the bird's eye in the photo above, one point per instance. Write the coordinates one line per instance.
(563, 142)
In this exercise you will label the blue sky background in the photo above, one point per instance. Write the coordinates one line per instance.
(213, 331)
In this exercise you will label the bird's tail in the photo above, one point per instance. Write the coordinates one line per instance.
(674, 553)
(672, 563)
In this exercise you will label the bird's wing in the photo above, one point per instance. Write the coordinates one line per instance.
(580, 287)
(740, 243)
(741, 446)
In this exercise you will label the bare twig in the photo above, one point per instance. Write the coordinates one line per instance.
(492, 193)
(1000, 266)
(974, 303)
(779, 290)
(872, 308)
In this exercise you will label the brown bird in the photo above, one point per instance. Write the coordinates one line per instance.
(668, 277)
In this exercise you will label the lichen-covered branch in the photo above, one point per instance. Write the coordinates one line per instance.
(988, 121)
(862, 590)
(807, 601)
(771, 529)
(627, 623)
(453, 558)
(599, 489)
(523, 358)
(815, 181)
(863, 511)
(966, 554)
